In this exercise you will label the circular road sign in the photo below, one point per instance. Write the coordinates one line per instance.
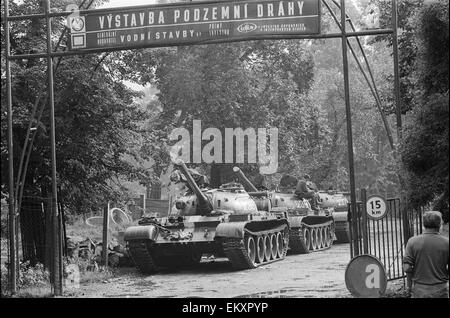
(376, 207)
(365, 277)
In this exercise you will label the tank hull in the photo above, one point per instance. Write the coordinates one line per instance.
(247, 240)
(338, 202)
(342, 227)
(310, 231)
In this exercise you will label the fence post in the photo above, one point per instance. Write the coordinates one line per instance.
(405, 218)
(105, 235)
(364, 220)
(355, 235)
(350, 229)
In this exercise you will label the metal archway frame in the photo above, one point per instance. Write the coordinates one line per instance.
(49, 55)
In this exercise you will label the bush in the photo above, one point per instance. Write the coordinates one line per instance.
(33, 276)
(4, 280)
(29, 277)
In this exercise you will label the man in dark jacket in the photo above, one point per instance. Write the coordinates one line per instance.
(426, 260)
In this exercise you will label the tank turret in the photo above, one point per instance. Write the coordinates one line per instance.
(204, 206)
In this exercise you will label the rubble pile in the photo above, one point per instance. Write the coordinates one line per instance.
(89, 251)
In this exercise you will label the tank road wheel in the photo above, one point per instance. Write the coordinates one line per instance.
(324, 237)
(311, 235)
(319, 238)
(316, 230)
(280, 245)
(307, 236)
(330, 235)
(327, 236)
(274, 245)
(260, 250)
(313, 239)
(267, 248)
(251, 249)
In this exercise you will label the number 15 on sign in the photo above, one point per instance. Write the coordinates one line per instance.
(376, 207)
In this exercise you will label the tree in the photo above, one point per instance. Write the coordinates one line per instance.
(254, 84)
(425, 148)
(98, 121)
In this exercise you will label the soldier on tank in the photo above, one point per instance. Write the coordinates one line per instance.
(288, 182)
(260, 183)
(306, 189)
(200, 179)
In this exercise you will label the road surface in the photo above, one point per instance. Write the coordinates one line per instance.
(319, 274)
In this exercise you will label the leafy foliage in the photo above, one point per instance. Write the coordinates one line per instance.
(425, 148)
(257, 84)
(106, 131)
(99, 120)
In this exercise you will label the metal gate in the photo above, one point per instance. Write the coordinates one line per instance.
(385, 238)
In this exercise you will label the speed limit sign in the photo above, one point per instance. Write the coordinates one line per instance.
(376, 207)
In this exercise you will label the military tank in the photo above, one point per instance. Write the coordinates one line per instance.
(225, 222)
(337, 203)
(308, 230)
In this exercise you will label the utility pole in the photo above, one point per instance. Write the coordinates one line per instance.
(348, 113)
(12, 215)
(56, 224)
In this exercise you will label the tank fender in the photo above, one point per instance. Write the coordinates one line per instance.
(146, 232)
(232, 229)
(340, 216)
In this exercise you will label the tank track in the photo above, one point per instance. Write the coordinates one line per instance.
(139, 251)
(298, 243)
(236, 252)
(342, 233)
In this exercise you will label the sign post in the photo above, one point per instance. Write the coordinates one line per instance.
(364, 224)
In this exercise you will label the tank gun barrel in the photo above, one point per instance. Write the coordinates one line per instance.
(204, 206)
(244, 180)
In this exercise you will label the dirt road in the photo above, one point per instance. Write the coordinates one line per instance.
(319, 274)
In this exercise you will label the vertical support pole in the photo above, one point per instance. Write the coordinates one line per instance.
(143, 196)
(105, 235)
(350, 229)
(12, 215)
(56, 226)
(364, 221)
(349, 127)
(398, 112)
(398, 108)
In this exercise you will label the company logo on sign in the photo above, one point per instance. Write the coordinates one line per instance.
(246, 27)
(77, 24)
